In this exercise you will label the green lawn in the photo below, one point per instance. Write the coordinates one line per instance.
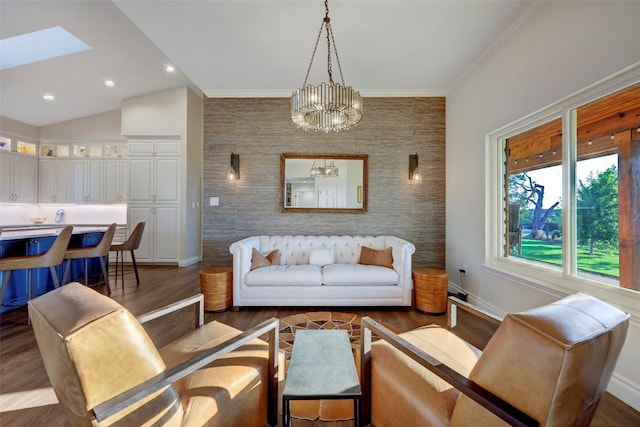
(601, 262)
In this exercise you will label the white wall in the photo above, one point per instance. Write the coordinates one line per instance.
(193, 217)
(104, 126)
(18, 129)
(562, 48)
(156, 114)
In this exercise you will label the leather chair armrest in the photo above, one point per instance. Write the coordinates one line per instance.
(202, 359)
(178, 305)
(492, 403)
(454, 303)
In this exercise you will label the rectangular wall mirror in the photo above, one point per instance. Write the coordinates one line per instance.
(323, 182)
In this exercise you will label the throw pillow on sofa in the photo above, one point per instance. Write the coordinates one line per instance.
(321, 257)
(259, 260)
(383, 258)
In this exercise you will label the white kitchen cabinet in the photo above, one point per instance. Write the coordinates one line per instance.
(160, 239)
(154, 171)
(18, 178)
(154, 148)
(86, 186)
(87, 150)
(115, 181)
(154, 180)
(154, 196)
(54, 181)
(116, 150)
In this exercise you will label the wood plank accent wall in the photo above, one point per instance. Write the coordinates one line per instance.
(259, 129)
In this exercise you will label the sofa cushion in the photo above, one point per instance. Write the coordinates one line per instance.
(321, 257)
(282, 275)
(259, 260)
(383, 258)
(358, 275)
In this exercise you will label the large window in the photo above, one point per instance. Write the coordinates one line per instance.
(570, 185)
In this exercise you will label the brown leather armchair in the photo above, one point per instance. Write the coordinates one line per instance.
(105, 370)
(546, 366)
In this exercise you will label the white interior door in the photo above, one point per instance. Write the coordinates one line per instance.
(327, 197)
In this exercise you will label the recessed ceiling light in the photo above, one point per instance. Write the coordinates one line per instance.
(48, 97)
(109, 83)
(170, 69)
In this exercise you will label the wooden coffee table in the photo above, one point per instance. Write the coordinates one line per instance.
(321, 367)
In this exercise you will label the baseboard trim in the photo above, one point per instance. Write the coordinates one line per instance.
(190, 261)
(625, 390)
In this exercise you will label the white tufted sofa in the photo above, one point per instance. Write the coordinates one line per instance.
(343, 283)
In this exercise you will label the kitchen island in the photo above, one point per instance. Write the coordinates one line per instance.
(21, 240)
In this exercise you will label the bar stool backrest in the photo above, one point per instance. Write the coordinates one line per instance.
(55, 254)
(133, 242)
(51, 258)
(99, 250)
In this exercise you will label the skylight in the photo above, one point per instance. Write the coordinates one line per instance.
(38, 46)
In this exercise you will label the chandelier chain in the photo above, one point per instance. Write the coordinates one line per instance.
(335, 49)
(329, 68)
(331, 41)
(306, 77)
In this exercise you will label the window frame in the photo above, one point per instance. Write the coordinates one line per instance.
(548, 280)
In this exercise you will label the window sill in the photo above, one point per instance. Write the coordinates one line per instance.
(556, 284)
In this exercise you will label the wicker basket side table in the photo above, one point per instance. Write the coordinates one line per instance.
(216, 284)
(430, 286)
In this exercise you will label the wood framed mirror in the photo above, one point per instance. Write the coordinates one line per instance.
(323, 183)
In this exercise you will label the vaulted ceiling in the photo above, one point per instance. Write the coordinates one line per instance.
(252, 48)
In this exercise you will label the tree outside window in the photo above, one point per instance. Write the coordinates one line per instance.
(607, 192)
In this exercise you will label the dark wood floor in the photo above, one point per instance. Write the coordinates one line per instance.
(25, 394)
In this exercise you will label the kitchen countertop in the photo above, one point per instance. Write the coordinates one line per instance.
(18, 231)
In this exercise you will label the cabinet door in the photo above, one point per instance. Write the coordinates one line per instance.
(54, 181)
(141, 180)
(167, 147)
(167, 179)
(62, 181)
(6, 178)
(113, 181)
(93, 181)
(143, 213)
(166, 233)
(77, 181)
(87, 181)
(25, 175)
(140, 147)
(47, 181)
(151, 147)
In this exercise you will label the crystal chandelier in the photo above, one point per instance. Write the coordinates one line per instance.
(328, 106)
(323, 170)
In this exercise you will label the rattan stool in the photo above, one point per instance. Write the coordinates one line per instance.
(216, 284)
(430, 286)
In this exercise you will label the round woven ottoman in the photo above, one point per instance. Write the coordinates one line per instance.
(216, 284)
(430, 286)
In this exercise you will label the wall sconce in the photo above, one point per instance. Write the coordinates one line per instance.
(414, 172)
(234, 167)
